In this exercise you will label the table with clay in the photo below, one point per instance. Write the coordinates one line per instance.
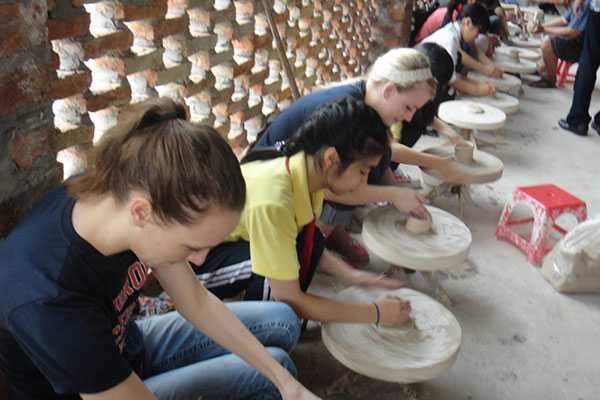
(422, 349)
(428, 245)
(508, 83)
(471, 116)
(475, 166)
(515, 64)
(502, 101)
(523, 53)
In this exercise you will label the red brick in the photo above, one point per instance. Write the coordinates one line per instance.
(24, 148)
(70, 86)
(12, 37)
(158, 29)
(154, 10)
(99, 46)
(396, 13)
(9, 11)
(76, 26)
(22, 87)
(117, 97)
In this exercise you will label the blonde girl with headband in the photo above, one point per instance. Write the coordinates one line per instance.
(397, 85)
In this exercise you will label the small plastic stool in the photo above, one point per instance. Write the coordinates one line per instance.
(562, 73)
(548, 202)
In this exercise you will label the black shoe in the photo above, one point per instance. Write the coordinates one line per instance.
(580, 129)
(596, 127)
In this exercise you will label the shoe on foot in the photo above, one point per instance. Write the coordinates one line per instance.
(580, 129)
(542, 84)
(341, 242)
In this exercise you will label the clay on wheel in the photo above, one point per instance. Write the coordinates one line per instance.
(484, 168)
(418, 225)
(420, 350)
(444, 246)
(465, 114)
(508, 83)
(502, 101)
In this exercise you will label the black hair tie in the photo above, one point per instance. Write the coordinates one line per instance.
(152, 118)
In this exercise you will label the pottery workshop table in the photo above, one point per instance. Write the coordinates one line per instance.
(515, 65)
(502, 101)
(420, 350)
(508, 83)
(441, 243)
(527, 54)
(471, 115)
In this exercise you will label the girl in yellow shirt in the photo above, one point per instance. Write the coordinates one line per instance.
(275, 249)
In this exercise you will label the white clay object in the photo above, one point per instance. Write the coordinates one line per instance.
(418, 225)
(573, 265)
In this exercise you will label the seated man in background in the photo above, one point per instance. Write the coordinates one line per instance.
(564, 41)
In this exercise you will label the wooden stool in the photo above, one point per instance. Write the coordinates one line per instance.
(548, 202)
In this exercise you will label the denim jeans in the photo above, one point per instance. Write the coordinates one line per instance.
(182, 363)
(585, 80)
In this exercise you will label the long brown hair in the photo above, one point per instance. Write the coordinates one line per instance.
(184, 168)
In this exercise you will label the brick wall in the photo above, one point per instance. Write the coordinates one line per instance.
(67, 66)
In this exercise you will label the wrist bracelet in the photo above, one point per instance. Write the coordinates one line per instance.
(378, 312)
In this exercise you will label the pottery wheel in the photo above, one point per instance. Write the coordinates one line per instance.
(528, 54)
(463, 114)
(516, 67)
(530, 42)
(445, 246)
(502, 101)
(484, 168)
(420, 350)
(508, 83)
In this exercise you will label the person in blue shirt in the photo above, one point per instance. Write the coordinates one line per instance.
(578, 119)
(564, 41)
(158, 192)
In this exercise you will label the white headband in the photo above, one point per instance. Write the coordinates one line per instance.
(403, 77)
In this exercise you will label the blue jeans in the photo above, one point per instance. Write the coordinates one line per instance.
(181, 362)
(585, 80)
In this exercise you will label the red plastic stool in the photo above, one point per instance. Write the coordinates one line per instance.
(548, 202)
(562, 73)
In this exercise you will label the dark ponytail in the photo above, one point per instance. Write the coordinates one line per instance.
(349, 125)
(450, 8)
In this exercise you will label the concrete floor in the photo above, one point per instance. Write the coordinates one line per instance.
(521, 339)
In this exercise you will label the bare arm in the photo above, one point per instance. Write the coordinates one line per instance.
(317, 308)
(562, 31)
(482, 65)
(445, 129)
(472, 87)
(405, 155)
(499, 11)
(404, 199)
(334, 265)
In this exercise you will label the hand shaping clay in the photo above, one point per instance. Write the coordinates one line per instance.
(528, 42)
(418, 225)
(420, 350)
(508, 83)
(444, 246)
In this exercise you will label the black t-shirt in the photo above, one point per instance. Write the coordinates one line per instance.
(65, 308)
(289, 120)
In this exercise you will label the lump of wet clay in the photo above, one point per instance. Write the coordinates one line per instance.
(417, 225)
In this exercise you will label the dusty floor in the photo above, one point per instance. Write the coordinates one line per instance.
(521, 339)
